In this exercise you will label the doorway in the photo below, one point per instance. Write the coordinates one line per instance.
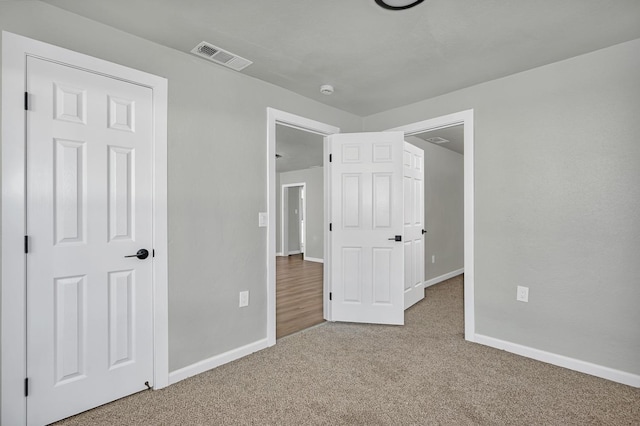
(299, 276)
(444, 192)
(283, 119)
(293, 218)
(465, 118)
(428, 129)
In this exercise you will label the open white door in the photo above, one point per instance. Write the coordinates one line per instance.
(414, 230)
(367, 258)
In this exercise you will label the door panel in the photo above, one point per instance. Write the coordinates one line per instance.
(89, 186)
(121, 177)
(70, 323)
(413, 178)
(366, 214)
(121, 317)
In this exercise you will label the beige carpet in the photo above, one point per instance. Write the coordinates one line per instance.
(422, 373)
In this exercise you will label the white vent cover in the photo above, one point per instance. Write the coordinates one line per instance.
(437, 140)
(220, 56)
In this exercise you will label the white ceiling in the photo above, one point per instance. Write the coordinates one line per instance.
(454, 134)
(375, 58)
(300, 150)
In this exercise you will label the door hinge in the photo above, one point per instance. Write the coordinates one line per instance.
(153, 253)
(26, 244)
(26, 386)
(330, 296)
(331, 227)
(330, 157)
(26, 101)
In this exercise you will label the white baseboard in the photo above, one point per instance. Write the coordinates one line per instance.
(314, 259)
(279, 254)
(444, 277)
(562, 361)
(216, 361)
(294, 252)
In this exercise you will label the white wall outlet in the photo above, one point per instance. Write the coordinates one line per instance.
(244, 299)
(523, 294)
(263, 219)
(433, 259)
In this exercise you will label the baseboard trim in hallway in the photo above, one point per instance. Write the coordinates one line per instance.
(443, 277)
(216, 361)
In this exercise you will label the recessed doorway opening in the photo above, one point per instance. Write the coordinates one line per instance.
(299, 232)
(297, 156)
(444, 201)
(458, 130)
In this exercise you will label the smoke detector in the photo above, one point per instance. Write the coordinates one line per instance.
(220, 56)
(437, 140)
(326, 89)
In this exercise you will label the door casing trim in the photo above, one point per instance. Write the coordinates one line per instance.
(15, 50)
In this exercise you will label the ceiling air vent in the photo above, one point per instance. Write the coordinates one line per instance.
(220, 56)
(437, 140)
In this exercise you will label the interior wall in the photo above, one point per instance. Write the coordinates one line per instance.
(444, 208)
(294, 219)
(314, 193)
(216, 175)
(556, 203)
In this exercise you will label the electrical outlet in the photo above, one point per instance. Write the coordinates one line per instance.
(523, 294)
(244, 299)
(433, 259)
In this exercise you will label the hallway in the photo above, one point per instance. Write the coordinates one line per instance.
(298, 294)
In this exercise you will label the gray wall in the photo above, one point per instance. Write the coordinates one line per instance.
(216, 177)
(557, 194)
(293, 227)
(557, 175)
(314, 178)
(444, 208)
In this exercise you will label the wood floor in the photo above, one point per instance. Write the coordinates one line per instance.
(298, 294)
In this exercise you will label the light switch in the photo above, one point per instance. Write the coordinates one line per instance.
(263, 219)
(244, 299)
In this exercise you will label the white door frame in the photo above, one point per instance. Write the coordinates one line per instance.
(15, 49)
(283, 118)
(284, 224)
(465, 118)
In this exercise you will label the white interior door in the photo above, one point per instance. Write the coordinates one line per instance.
(413, 183)
(89, 204)
(367, 270)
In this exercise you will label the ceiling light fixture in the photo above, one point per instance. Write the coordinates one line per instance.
(398, 4)
(326, 89)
